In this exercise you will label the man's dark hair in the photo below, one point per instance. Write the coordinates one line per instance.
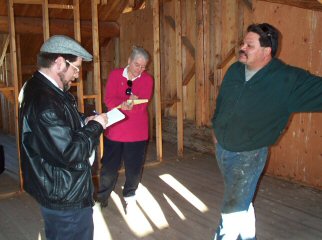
(45, 60)
(268, 35)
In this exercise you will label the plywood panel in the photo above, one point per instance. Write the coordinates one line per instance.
(168, 71)
(298, 155)
(136, 29)
(188, 60)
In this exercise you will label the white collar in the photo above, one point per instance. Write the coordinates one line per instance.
(50, 79)
(126, 75)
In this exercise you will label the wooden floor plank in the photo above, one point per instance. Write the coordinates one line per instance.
(284, 210)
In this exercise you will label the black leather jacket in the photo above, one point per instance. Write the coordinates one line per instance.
(55, 147)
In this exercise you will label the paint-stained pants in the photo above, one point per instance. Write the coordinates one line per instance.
(241, 172)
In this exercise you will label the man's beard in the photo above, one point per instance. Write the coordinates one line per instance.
(66, 86)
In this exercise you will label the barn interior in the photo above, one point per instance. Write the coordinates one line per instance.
(192, 44)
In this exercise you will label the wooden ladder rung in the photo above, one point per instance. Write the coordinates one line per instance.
(93, 96)
(52, 5)
(7, 89)
(61, 6)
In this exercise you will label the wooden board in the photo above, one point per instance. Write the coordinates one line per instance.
(283, 210)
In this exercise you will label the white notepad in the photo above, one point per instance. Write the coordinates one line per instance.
(114, 116)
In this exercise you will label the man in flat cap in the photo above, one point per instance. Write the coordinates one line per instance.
(58, 143)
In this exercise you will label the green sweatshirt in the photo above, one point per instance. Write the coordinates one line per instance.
(253, 114)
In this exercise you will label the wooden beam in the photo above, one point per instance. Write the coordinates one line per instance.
(27, 1)
(226, 59)
(186, 42)
(166, 103)
(179, 77)
(217, 6)
(39, 2)
(96, 56)
(97, 71)
(200, 64)
(138, 4)
(248, 3)
(14, 77)
(188, 76)
(45, 19)
(8, 93)
(157, 77)
(61, 6)
(307, 4)
(206, 114)
(191, 49)
(26, 25)
(4, 50)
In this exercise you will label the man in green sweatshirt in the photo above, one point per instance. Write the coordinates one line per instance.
(257, 96)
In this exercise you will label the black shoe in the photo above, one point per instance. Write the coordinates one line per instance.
(102, 202)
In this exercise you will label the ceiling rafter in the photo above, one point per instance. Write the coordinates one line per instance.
(307, 4)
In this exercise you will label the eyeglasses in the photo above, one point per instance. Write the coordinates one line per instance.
(76, 69)
(128, 91)
(142, 67)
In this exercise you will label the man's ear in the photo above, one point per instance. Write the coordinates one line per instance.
(60, 64)
(268, 51)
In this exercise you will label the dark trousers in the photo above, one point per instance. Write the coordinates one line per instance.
(76, 224)
(133, 155)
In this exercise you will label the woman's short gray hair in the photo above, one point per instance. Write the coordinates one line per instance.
(139, 51)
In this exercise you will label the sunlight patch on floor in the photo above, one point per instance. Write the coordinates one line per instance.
(174, 207)
(151, 207)
(184, 192)
(101, 231)
(134, 217)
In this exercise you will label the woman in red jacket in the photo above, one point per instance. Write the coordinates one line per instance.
(126, 140)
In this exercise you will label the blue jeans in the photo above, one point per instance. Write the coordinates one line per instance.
(133, 155)
(241, 172)
(76, 224)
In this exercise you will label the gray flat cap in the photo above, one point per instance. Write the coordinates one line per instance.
(65, 45)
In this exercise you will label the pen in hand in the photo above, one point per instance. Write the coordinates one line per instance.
(101, 118)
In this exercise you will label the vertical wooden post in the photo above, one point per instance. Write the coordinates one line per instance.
(19, 72)
(179, 77)
(45, 19)
(207, 69)
(217, 45)
(200, 71)
(96, 63)
(14, 75)
(77, 36)
(117, 52)
(157, 77)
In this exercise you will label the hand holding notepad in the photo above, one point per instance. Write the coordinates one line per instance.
(134, 101)
(114, 116)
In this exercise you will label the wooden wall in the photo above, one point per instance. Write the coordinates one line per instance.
(298, 154)
(136, 29)
(7, 116)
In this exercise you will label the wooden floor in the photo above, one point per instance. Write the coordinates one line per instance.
(178, 199)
